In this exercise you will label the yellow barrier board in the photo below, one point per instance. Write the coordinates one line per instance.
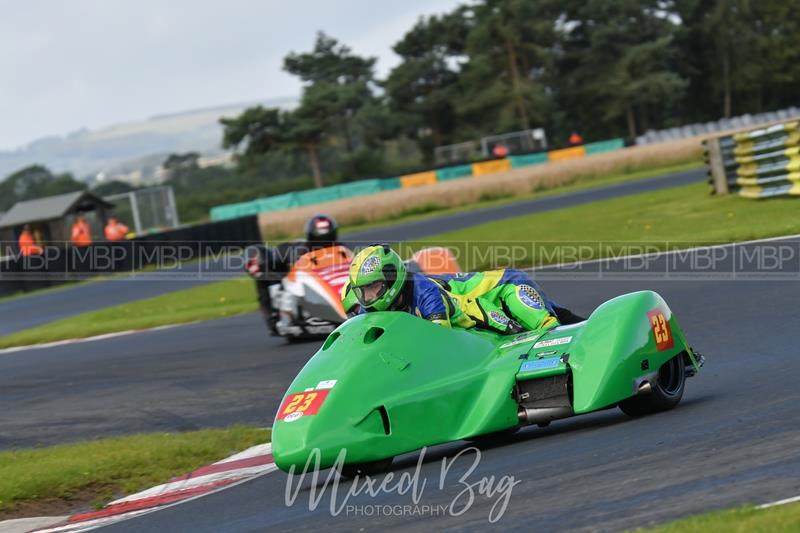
(566, 153)
(747, 170)
(793, 177)
(758, 192)
(744, 150)
(750, 192)
(490, 167)
(418, 179)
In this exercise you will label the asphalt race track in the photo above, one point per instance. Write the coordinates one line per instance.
(37, 309)
(214, 373)
(733, 439)
(34, 310)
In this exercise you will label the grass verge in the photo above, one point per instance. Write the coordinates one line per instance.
(62, 478)
(499, 198)
(215, 300)
(783, 518)
(675, 218)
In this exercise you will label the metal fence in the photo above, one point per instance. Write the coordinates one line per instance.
(515, 142)
(147, 210)
(722, 125)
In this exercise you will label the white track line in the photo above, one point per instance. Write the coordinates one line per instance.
(779, 502)
(91, 339)
(667, 252)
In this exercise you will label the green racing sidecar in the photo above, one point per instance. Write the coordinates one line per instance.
(388, 383)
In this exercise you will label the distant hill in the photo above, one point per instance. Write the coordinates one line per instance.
(130, 146)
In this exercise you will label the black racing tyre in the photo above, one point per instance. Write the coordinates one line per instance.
(666, 393)
(370, 468)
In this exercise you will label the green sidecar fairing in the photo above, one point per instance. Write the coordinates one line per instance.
(388, 383)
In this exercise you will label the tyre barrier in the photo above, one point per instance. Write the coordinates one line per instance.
(760, 163)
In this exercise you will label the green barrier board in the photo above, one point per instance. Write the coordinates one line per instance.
(604, 146)
(387, 184)
(528, 159)
(451, 173)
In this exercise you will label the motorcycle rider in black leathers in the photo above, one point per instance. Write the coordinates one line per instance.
(268, 265)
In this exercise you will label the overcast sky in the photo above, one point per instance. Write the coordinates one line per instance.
(68, 64)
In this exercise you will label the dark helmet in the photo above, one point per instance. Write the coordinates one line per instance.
(321, 228)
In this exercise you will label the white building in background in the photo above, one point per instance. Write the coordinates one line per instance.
(223, 160)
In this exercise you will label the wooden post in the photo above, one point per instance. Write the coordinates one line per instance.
(718, 177)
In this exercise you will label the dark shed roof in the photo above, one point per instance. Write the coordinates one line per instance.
(50, 208)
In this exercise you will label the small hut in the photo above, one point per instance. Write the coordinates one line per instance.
(52, 217)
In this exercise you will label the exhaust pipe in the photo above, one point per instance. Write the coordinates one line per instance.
(543, 415)
(645, 388)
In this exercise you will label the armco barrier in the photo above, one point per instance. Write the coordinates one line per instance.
(761, 163)
(363, 187)
(490, 167)
(418, 179)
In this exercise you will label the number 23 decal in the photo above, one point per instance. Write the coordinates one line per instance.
(304, 403)
(661, 330)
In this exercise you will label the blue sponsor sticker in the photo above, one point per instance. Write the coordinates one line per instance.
(499, 317)
(530, 297)
(540, 364)
(370, 265)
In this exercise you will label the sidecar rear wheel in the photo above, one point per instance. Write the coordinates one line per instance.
(370, 468)
(666, 392)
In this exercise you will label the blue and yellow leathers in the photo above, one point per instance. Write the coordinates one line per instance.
(504, 300)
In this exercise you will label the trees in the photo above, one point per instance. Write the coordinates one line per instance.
(337, 86)
(35, 181)
(262, 130)
(617, 64)
(745, 53)
(509, 47)
(332, 108)
(259, 129)
(723, 37)
(305, 128)
(778, 25)
(421, 89)
(605, 69)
